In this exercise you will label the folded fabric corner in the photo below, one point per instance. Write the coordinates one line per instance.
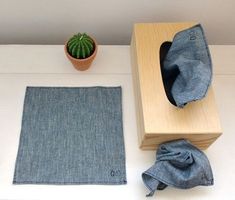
(188, 63)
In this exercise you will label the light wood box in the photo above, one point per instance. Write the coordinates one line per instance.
(158, 120)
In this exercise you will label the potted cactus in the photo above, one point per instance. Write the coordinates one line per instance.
(81, 50)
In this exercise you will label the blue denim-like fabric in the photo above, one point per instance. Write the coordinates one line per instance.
(179, 164)
(71, 136)
(187, 66)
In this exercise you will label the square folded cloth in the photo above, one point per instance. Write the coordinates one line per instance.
(71, 136)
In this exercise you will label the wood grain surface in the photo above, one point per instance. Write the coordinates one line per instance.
(158, 120)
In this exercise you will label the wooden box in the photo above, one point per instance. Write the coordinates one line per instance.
(158, 120)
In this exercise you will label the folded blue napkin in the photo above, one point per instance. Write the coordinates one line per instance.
(71, 136)
(178, 164)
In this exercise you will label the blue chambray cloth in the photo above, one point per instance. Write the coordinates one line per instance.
(187, 67)
(71, 135)
(178, 164)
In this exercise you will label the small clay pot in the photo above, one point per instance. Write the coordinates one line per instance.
(81, 64)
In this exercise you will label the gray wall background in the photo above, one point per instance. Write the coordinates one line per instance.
(109, 21)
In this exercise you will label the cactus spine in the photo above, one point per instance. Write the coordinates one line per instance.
(80, 46)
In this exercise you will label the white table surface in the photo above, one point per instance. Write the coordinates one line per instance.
(46, 65)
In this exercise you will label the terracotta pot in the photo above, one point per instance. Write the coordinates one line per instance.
(81, 64)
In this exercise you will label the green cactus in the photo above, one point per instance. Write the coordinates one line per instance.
(80, 46)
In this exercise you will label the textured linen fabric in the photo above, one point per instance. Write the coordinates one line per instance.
(71, 136)
(179, 164)
(187, 67)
